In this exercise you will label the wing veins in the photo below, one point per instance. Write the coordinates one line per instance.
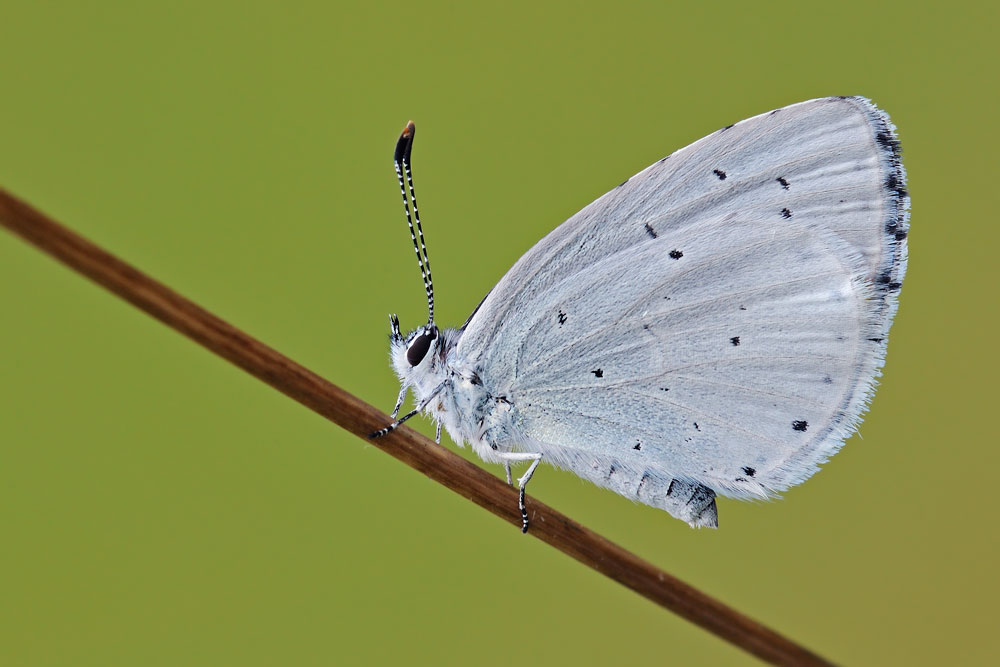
(663, 312)
(701, 414)
(634, 380)
(663, 339)
(755, 390)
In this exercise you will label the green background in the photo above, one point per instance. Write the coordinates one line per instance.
(160, 507)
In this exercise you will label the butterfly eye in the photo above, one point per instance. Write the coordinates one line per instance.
(417, 350)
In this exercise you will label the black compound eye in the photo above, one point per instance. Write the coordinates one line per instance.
(417, 350)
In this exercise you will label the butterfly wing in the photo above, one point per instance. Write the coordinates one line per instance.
(719, 318)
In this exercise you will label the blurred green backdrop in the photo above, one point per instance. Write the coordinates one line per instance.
(160, 507)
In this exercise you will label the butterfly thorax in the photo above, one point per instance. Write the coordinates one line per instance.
(452, 390)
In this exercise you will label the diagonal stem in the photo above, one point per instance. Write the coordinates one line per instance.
(405, 444)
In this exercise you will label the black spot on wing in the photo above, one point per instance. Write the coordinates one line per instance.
(638, 446)
(696, 427)
(889, 142)
(622, 183)
(650, 231)
(799, 425)
(701, 494)
(735, 340)
(664, 388)
(562, 318)
(743, 307)
(598, 373)
(642, 483)
(884, 281)
(785, 213)
(727, 127)
(750, 472)
(895, 184)
(827, 380)
(676, 254)
(721, 174)
(892, 228)
(784, 183)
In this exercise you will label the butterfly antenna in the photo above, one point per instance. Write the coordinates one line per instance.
(402, 162)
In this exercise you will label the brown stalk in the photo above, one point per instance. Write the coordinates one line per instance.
(408, 446)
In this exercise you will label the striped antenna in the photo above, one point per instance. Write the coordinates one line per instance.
(402, 162)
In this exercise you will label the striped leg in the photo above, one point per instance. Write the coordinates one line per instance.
(399, 401)
(420, 406)
(513, 457)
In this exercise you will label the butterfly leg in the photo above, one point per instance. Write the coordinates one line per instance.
(437, 438)
(506, 469)
(508, 458)
(420, 406)
(399, 401)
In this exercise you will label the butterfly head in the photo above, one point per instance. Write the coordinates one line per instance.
(412, 353)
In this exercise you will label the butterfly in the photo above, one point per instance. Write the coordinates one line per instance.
(713, 326)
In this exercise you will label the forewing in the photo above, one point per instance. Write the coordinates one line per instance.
(733, 300)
